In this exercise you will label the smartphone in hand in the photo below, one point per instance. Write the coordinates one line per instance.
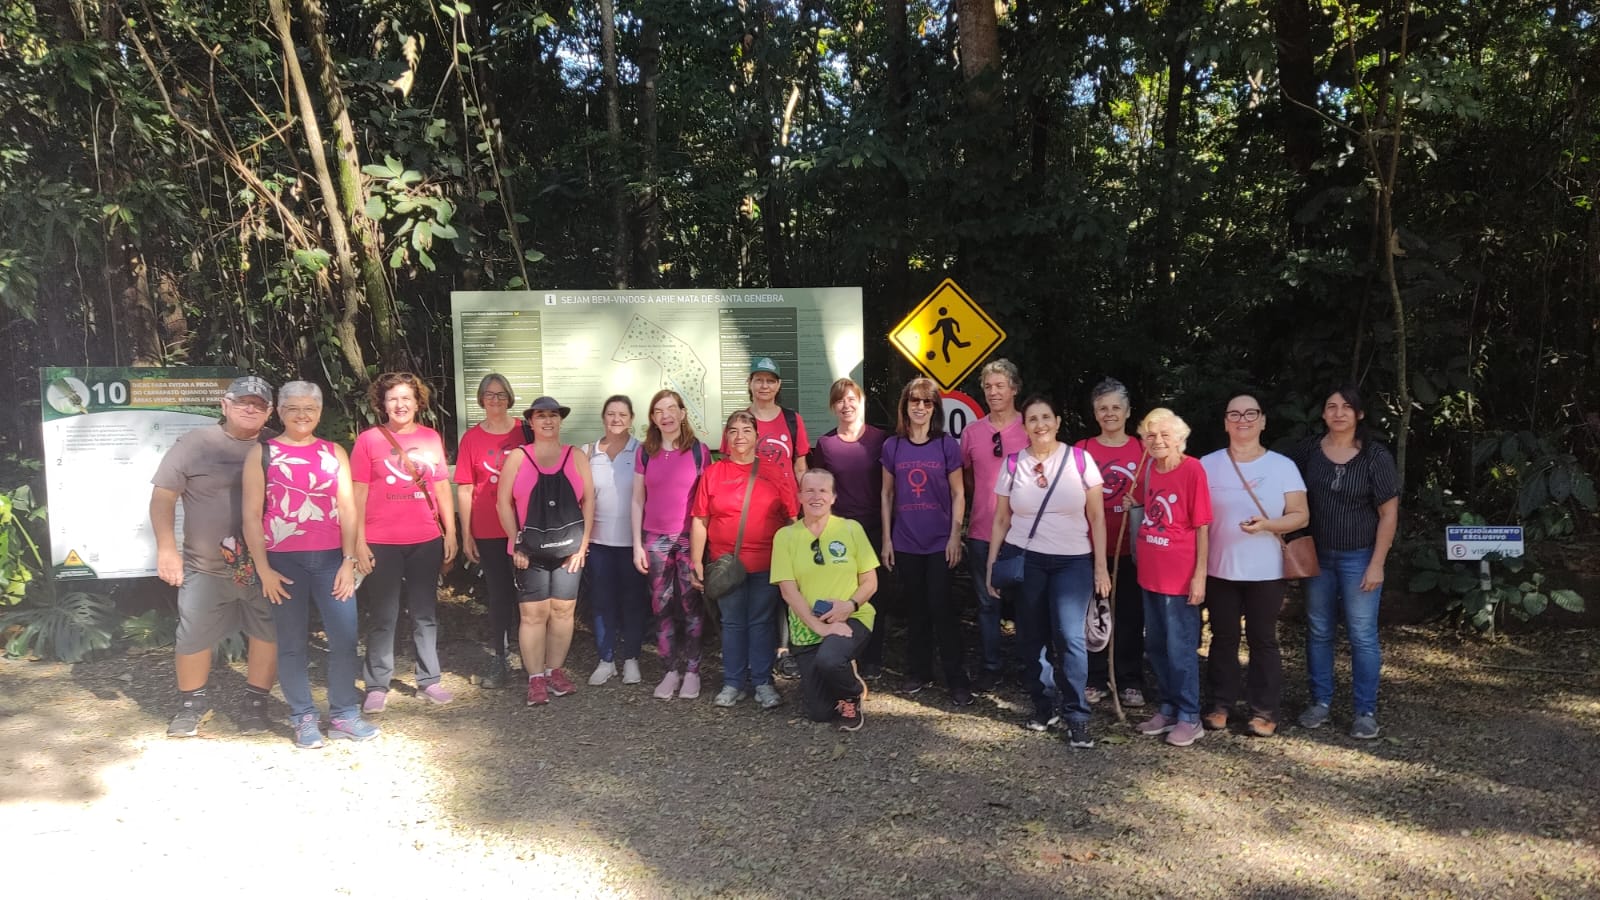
(821, 607)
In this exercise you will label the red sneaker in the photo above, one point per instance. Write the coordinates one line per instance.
(538, 691)
(560, 684)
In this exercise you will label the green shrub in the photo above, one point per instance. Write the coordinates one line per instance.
(67, 627)
(151, 630)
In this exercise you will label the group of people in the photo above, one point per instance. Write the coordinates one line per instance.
(782, 545)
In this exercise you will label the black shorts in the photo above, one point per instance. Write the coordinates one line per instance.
(535, 584)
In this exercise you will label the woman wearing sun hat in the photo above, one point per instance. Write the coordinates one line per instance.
(547, 585)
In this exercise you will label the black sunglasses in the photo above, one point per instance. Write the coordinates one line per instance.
(816, 551)
(998, 452)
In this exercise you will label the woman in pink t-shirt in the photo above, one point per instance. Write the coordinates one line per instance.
(1173, 538)
(547, 593)
(406, 512)
(300, 525)
(665, 472)
(480, 458)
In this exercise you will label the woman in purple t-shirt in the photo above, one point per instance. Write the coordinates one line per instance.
(923, 501)
(665, 471)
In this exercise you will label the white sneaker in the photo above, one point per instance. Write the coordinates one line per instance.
(668, 686)
(630, 671)
(603, 673)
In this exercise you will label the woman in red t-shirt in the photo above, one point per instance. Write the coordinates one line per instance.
(1173, 539)
(1118, 454)
(479, 462)
(748, 634)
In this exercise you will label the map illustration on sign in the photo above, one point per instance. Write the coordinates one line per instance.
(947, 335)
(681, 369)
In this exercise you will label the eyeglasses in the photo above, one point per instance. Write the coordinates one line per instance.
(1338, 476)
(1038, 475)
(921, 401)
(816, 551)
(496, 395)
(998, 450)
(1243, 415)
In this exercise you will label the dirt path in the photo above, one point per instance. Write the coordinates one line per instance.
(1484, 785)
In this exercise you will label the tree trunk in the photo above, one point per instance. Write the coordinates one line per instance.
(1297, 80)
(756, 87)
(647, 206)
(897, 85)
(1176, 22)
(343, 256)
(365, 240)
(619, 198)
(978, 30)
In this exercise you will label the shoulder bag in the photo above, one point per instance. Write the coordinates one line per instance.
(1007, 569)
(1299, 550)
(725, 573)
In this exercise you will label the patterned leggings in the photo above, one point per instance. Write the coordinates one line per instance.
(678, 607)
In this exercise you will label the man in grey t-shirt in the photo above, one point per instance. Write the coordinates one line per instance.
(217, 594)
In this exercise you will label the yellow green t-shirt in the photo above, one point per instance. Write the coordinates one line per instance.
(845, 553)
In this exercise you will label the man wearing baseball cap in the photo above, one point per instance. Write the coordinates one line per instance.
(218, 593)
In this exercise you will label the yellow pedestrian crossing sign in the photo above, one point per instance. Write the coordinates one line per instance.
(947, 335)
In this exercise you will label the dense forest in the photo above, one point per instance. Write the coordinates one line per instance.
(1192, 195)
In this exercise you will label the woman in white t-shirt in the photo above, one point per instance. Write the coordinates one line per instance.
(616, 590)
(1244, 568)
(1061, 532)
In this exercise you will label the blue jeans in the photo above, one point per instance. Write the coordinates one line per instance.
(1172, 641)
(1052, 606)
(312, 572)
(620, 600)
(749, 639)
(988, 606)
(1335, 592)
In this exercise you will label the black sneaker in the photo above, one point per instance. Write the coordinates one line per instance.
(912, 686)
(494, 677)
(961, 697)
(1078, 736)
(786, 667)
(253, 714)
(850, 717)
(191, 715)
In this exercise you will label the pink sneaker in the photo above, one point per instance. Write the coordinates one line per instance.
(1157, 725)
(691, 686)
(538, 691)
(1185, 733)
(436, 693)
(375, 702)
(668, 686)
(560, 684)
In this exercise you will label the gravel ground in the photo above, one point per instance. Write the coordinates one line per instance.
(1483, 785)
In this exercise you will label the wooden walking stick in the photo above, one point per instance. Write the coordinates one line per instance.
(1111, 641)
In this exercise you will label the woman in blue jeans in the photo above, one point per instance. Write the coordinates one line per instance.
(1047, 507)
(1354, 492)
(300, 526)
(734, 488)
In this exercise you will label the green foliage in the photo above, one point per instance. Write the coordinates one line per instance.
(67, 627)
(20, 560)
(151, 630)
